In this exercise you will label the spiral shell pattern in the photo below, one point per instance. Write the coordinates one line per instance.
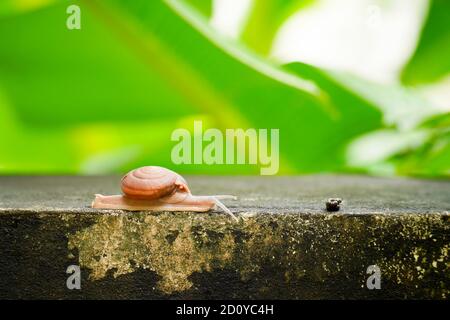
(150, 182)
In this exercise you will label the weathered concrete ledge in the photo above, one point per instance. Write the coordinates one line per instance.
(286, 245)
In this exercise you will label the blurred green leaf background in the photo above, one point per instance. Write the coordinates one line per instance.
(106, 98)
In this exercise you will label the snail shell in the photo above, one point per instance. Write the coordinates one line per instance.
(155, 188)
(152, 182)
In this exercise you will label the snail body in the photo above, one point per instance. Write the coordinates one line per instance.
(155, 188)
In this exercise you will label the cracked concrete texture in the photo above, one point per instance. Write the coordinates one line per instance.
(285, 246)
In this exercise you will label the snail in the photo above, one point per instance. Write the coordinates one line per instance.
(155, 188)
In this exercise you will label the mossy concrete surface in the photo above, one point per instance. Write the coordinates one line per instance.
(286, 246)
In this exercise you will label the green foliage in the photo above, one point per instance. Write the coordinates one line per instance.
(203, 6)
(431, 60)
(107, 98)
(432, 158)
(265, 19)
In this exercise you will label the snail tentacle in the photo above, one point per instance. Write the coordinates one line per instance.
(224, 208)
(224, 197)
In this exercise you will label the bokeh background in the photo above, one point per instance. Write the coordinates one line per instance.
(353, 85)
